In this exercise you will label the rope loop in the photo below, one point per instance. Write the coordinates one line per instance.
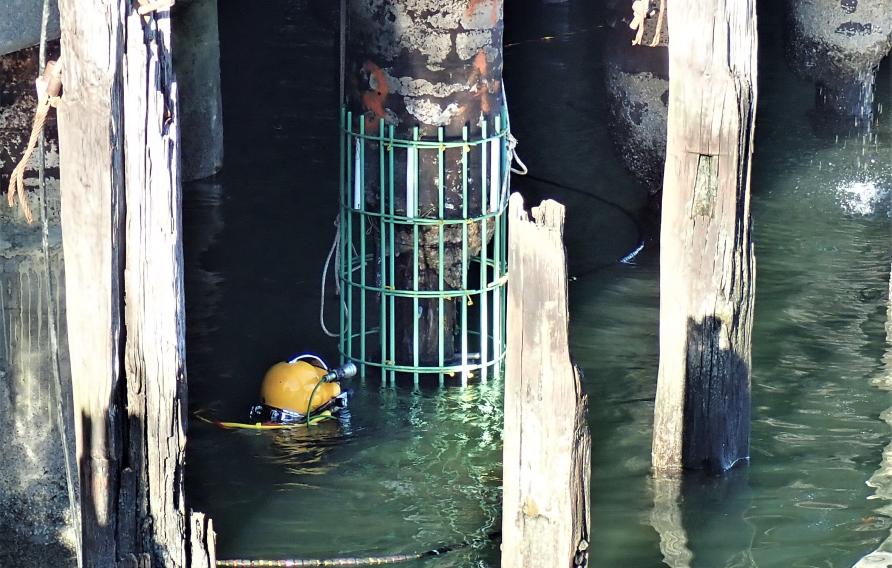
(335, 252)
(513, 157)
(48, 85)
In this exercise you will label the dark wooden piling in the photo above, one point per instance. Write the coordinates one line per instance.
(428, 65)
(547, 453)
(707, 264)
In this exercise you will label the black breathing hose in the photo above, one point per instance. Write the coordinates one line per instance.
(640, 238)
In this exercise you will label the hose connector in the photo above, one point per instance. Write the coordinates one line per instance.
(345, 371)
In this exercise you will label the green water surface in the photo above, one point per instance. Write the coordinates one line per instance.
(414, 469)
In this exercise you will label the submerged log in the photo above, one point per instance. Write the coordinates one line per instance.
(707, 263)
(547, 445)
(427, 64)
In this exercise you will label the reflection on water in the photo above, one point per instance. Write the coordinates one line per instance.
(419, 468)
(303, 452)
(413, 470)
(667, 521)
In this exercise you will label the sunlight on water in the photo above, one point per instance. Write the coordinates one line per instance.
(862, 197)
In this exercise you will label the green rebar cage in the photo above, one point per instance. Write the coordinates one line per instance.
(422, 249)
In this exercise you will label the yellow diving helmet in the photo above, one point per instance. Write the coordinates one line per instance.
(288, 385)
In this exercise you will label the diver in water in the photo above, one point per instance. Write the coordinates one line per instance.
(295, 393)
(302, 390)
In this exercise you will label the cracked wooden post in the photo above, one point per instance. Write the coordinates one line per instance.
(547, 445)
(91, 183)
(120, 186)
(707, 264)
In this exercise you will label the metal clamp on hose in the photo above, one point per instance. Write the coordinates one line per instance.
(345, 371)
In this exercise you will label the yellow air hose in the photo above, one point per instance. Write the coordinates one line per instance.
(321, 417)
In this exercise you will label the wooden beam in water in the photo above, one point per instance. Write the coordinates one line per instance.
(547, 445)
(707, 265)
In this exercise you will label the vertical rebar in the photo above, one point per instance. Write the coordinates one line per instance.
(361, 217)
(465, 260)
(346, 121)
(414, 174)
(392, 258)
(495, 192)
(382, 250)
(441, 246)
(484, 209)
(347, 258)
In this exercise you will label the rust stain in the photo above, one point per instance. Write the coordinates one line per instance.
(481, 83)
(373, 99)
(481, 69)
(480, 64)
(494, 8)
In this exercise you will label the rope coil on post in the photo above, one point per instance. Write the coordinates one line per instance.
(49, 86)
(642, 10)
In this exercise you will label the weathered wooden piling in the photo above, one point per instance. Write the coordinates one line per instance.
(92, 210)
(547, 445)
(707, 263)
(119, 156)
